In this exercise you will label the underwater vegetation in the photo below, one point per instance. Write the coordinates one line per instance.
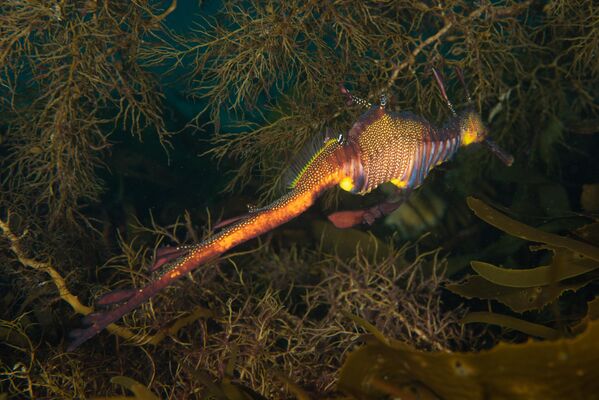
(71, 67)
(127, 127)
(271, 317)
(556, 368)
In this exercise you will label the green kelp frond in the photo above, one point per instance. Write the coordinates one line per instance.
(573, 265)
(523, 231)
(140, 392)
(564, 368)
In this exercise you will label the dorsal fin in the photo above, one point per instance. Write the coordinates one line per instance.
(306, 156)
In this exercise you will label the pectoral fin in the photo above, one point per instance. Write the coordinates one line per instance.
(347, 219)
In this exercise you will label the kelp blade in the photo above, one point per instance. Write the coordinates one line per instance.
(510, 322)
(517, 299)
(560, 369)
(523, 231)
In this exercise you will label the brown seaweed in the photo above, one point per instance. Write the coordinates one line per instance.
(572, 266)
(557, 369)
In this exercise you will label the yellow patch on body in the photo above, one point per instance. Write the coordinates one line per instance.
(399, 183)
(347, 184)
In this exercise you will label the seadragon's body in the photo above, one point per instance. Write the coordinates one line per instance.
(382, 146)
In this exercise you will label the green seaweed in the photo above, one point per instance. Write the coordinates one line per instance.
(510, 322)
(526, 232)
(571, 267)
(591, 315)
(555, 369)
(516, 298)
(565, 265)
(225, 389)
(140, 392)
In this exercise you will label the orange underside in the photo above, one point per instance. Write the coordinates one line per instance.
(279, 212)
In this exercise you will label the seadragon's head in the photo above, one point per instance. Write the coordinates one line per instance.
(472, 129)
(470, 124)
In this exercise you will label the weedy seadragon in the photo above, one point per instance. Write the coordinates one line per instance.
(382, 146)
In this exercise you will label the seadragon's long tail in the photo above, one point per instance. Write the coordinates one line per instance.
(333, 164)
